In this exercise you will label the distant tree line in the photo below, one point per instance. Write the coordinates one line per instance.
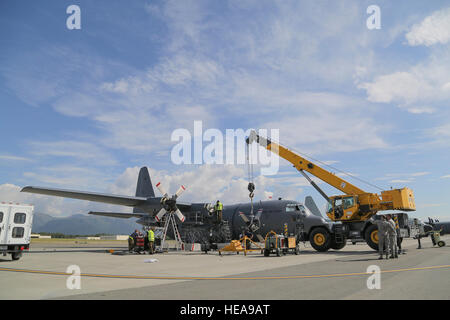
(71, 236)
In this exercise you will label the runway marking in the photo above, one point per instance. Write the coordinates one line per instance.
(217, 278)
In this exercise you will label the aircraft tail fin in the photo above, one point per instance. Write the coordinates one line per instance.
(144, 186)
(311, 205)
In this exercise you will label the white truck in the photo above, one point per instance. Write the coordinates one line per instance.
(15, 228)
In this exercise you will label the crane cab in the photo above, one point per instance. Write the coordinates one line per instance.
(343, 208)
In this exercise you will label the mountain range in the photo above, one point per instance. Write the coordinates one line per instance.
(80, 224)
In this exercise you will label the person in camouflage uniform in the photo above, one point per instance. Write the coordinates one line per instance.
(392, 235)
(383, 239)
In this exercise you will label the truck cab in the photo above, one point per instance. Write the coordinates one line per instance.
(342, 207)
(15, 228)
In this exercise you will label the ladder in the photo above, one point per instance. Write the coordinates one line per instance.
(338, 234)
(170, 220)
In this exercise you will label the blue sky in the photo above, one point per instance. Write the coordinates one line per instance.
(86, 108)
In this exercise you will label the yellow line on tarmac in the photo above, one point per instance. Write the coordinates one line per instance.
(218, 278)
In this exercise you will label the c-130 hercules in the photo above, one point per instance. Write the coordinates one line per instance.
(196, 222)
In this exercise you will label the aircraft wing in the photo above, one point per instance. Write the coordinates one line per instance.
(118, 214)
(183, 206)
(90, 196)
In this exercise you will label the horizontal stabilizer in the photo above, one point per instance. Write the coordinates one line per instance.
(90, 196)
(118, 214)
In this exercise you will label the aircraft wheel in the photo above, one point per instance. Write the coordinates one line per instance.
(338, 246)
(441, 243)
(320, 239)
(371, 236)
(16, 255)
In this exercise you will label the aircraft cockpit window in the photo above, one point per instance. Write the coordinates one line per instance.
(304, 210)
(291, 207)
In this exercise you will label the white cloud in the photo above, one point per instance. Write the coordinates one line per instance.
(401, 180)
(13, 158)
(420, 89)
(432, 30)
(318, 133)
(67, 176)
(403, 177)
(88, 152)
(419, 174)
(404, 86)
(261, 65)
(54, 206)
(446, 176)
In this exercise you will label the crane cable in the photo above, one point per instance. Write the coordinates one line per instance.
(251, 185)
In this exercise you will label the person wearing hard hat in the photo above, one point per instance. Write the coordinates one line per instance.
(218, 208)
(151, 240)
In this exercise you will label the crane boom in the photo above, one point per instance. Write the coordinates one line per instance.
(301, 163)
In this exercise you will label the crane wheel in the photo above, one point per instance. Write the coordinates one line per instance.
(371, 236)
(320, 239)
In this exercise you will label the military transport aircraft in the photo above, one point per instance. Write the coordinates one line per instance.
(198, 223)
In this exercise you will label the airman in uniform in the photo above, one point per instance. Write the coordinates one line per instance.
(392, 235)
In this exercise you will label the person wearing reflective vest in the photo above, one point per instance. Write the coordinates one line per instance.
(218, 208)
(132, 240)
(151, 240)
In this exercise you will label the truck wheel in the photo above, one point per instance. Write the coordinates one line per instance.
(371, 236)
(16, 255)
(320, 239)
(297, 250)
(278, 252)
(266, 252)
(338, 246)
(441, 243)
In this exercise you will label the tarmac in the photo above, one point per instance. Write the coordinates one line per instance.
(42, 273)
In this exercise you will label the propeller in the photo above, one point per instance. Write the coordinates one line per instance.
(169, 203)
(254, 223)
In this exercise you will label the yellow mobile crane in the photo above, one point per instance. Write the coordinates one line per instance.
(355, 206)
